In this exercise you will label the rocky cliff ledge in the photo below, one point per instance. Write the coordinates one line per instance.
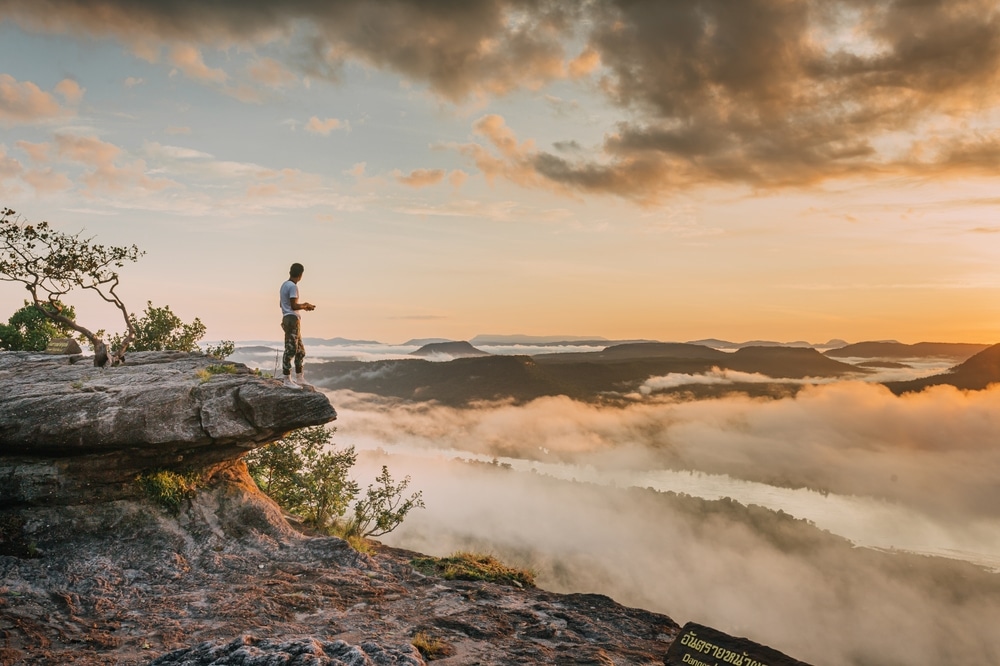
(94, 572)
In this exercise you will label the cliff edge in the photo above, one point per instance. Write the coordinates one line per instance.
(94, 571)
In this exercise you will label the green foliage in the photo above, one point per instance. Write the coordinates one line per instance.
(474, 566)
(29, 329)
(309, 480)
(224, 349)
(160, 329)
(169, 489)
(383, 507)
(303, 477)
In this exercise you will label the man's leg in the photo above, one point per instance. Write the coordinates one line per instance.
(289, 325)
(300, 354)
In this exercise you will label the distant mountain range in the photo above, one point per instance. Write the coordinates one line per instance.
(561, 341)
(599, 375)
(497, 340)
(617, 370)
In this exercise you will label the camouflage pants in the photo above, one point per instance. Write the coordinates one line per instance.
(293, 345)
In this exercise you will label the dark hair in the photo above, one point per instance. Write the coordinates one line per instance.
(296, 270)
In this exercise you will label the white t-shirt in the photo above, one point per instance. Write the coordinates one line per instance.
(289, 290)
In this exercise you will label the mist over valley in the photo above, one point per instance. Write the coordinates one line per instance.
(801, 496)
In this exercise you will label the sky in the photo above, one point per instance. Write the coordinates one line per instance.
(671, 170)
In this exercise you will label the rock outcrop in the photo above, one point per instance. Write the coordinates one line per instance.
(71, 433)
(95, 573)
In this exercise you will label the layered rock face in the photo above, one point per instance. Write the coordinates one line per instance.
(105, 575)
(74, 434)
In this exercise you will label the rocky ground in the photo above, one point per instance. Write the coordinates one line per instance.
(93, 570)
(227, 581)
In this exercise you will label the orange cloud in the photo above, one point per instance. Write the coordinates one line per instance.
(101, 157)
(764, 93)
(9, 167)
(46, 180)
(420, 177)
(188, 59)
(70, 90)
(25, 103)
(37, 152)
(584, 64)
(324, 127)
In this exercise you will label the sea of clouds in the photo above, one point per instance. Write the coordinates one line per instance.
(916, 472)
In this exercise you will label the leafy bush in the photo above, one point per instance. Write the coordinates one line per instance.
(383, 507)
(309, 480)
(160, 329)
(29, 329)
(168, 489)
(224, 349)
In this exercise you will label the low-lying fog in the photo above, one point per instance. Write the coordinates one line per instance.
(916, 473)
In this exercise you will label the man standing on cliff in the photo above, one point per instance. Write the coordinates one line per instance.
(290, 324)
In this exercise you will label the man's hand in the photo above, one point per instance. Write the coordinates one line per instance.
(308, 307)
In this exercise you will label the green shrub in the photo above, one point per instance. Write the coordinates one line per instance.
(168, 489)
(160, 329)
(224, 349)
(311, 481)
(383, 507)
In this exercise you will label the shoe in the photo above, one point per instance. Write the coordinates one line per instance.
(301, 381)
(288, 383)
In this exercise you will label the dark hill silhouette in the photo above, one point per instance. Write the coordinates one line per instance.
(638, 351)
(459, 349)
(974, 374)
(958, 351)
(791, 362)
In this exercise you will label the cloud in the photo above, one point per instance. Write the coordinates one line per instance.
(175, 152)
(105, 173)
(324, 127)
(188, 59)
(9, 167)
(715, 376)
(70, 90)
(37, 152)
(46, 180)
(420, 177)
(176, 129)
(764, 94)
(133, 81)
(585, 63)
(270, 72)
(23, 102)
(928, 460)
(850, 438)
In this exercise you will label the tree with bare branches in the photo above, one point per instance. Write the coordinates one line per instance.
(50, 264)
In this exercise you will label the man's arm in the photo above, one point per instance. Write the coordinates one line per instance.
(308, 307)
